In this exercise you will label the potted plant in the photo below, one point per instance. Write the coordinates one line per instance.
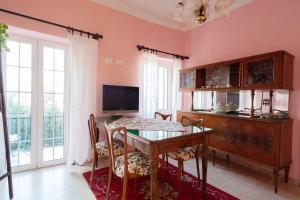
(3, 36)
(8, 174)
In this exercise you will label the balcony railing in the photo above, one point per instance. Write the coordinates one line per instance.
(19, 126)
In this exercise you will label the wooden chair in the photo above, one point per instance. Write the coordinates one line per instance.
(130, 165)
(163, 116)
(187, 153)
(100, 149)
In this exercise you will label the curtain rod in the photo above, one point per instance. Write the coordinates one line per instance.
(143, 48)
(95, 36)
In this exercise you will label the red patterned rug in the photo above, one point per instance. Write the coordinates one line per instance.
(167, 190)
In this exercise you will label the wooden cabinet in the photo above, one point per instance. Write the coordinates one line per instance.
(223, 75)
(264, 142)
(191, 79)
(187, 79)
(268, 71)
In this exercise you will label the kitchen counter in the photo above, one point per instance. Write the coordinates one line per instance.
(235, 116)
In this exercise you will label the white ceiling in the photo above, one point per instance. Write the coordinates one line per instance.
(157, 11)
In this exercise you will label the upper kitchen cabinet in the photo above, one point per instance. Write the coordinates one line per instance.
(191, 79)
(187, 79)
(224, 75)
(268, 71)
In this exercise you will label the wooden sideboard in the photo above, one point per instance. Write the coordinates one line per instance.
(261, 141)
(269, 71)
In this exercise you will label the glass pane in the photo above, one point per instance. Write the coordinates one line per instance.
(48, 105)
(12, 102)
(59, 127)
(59, 60)
(59, 82)
(233, 98)
(218, 77)
(261, 71)
(48, 58)
(25, 55)
(12, 78)
(49, 127)
(12, 56)
(24, 153)
(58, 104)
(58, 148)
(48, 150)
(48, 81)
(25, 79)
(25, 103)
(162, 88)
(20, 139)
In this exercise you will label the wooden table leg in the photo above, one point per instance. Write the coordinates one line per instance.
(204, 165)
(154, 159)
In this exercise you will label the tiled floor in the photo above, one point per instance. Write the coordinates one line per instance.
(64, 183)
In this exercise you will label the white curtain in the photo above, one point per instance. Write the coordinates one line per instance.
(83, 74)
(150, 79)
(176, 95)
(151, 87)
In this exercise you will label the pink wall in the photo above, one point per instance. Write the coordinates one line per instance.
(121, 33)
(259, 27)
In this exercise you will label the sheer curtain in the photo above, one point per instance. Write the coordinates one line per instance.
(176, 95)
(83, 70)
(152, 90)
(150, 86)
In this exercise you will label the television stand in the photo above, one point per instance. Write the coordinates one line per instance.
(115, 117)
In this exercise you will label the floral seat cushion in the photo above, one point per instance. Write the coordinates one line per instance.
(183, 154)
(138, 163)
(102, 148)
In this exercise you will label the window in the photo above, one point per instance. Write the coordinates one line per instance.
(203, 100)
(233, 97)
(160, 85)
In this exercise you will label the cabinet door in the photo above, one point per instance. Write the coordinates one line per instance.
(263, 72)
(187, 79)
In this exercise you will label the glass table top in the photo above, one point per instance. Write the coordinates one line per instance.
(162, 135)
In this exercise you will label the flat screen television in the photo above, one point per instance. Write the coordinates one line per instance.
(120, 98)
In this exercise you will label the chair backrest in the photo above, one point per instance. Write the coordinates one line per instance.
(93, 131)
(163, 116)
(121, 133)
(186, 121)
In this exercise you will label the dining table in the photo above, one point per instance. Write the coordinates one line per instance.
(156, 137)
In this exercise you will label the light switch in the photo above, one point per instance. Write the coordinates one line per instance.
(108, 60)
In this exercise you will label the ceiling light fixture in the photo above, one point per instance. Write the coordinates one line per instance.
(198, 10)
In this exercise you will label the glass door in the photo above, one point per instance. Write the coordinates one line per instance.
(20, 68)
(35, 98)
(52, 103)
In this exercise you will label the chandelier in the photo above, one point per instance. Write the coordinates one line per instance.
(197, 11)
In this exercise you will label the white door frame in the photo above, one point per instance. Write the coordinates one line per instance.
(37, 102)
(41, 44)
(33, 155)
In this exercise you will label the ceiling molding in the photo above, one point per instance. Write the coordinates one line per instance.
(155, 17)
